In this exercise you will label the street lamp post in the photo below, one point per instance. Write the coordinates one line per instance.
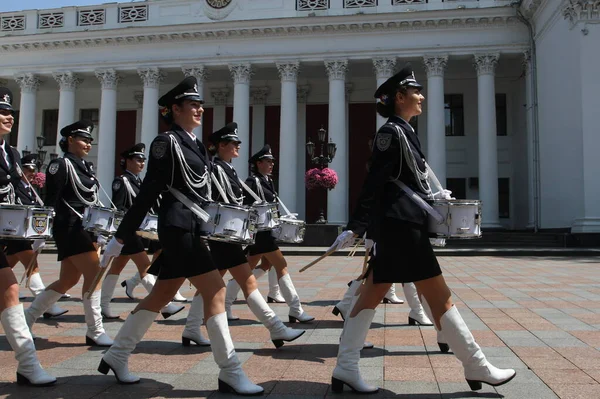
(325, 157)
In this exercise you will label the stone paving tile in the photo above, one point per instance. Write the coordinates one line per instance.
(540, 316)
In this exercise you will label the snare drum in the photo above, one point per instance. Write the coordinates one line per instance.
(101, 221)
(268, 216)
(289, 230)
(149, 228)
(230, 223)
(462, 219)
(25, 221)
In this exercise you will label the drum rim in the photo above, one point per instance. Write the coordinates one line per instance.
(457, 202)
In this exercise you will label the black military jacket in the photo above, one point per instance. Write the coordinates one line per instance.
(58, 187)
(9, 173)
(120, 194)
(267, 185)
(24, 195)
(234, 180)
(380, 197)
(161, 169)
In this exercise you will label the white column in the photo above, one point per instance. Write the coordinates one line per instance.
(67, 82)
(436, 122)
(288, 165)
(109, 80)
(259, 99)
(348, 88)
(138, 96)
(201, 74)
(302, 94)
(219, 96)
(384, 69)
(151, 77)
(488, 145)
(29, 83)
(337, 199)
(530, 143)
(241, 74)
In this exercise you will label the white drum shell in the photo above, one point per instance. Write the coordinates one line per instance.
(289, 230)
(26, 221)
(462, 219)
(149, 228)
(268, 216)
(230, 223)
(100, 220)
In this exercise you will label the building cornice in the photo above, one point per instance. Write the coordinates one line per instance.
(586, 11)
(288, 27)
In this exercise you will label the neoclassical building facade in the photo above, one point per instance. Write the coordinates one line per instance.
(283, 69)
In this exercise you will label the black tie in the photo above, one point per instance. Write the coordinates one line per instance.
(3, 156)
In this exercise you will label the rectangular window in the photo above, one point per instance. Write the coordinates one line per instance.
(454, 115)
(92, 114)
(501, 115)
(49, 126)
(504, 197)
(458, 186)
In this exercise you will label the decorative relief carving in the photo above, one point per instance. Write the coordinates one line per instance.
(198, 71)
(91, 17)
(109, 78)
(218, 9)
(138, 96)
(384, 67)
(12, 23)
(526, 61)
(312, 5)
(133, 14)
(66, 80)
(218, 3)
(407, 2)
(435, 64)
(28, 82)
(288, 71)
(359, 3)
(336, 69)
(151, 76)
(51, 20)
(486, 63)
(220, 95)
(241, 73)
(581, 11)
(302, 93)
(259, 94)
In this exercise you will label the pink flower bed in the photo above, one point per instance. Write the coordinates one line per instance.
(39, 180)
(325, 178)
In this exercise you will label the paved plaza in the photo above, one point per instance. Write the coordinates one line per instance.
(539, 315)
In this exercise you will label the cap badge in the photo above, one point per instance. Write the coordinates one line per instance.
(6, 98)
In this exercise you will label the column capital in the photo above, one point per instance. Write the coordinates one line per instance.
(67, 80)
(241, 73)
(109, 78)
(28, 82)
(151, 76)
(138, 96)
(384, 67)
(198, 71)
(486, 63)
(288, 71)
(259, 94)
(336, 69)
(220, 95)
(302, 93)
(435, 64)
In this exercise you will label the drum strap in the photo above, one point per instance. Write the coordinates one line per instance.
(195, 208)
(219, 188)
(420, 201)
(285, 208)
(74, 211)
(249, 190)
(129, 190)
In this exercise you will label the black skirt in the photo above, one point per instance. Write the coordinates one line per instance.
(403, 254)
(226, 255)
(72, 240)
(184, 254)
(264, 243)
(133, 245)
(13, 247)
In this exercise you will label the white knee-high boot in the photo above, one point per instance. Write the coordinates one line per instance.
(36, 286)
(442, 344)
(29, 370)
(343, 307)
(40, 304)
(130, 334)
(191, 332)
(130, 284)
(262, 311)
(231, 293)
(390, 296)
(297, 314)
(346, 371)
(108, 289)
(477, 369)
(95, 336)
(416, 316)
(170, 309)
(274, 295)
(232, 378)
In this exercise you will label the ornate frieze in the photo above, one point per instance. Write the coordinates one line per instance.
(28, 82)
(435, 65)
(133, 14)
(91, 17)
(259, 94)
(336, 69)
(66, 80)
(219, 95)
(198, 71)
(485, 64)
(51, 20)
(312, 5)
(241, 73)
(577, 11)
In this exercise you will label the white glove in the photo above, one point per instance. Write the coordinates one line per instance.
(101, 240)
(443, 194)
(369, 244)
(113, 249)
(38, 245)
(438, 242)
(344, 240)
(292, 216)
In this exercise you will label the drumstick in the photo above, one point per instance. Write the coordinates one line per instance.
(320, 258)
(99, 275)
(29, 268)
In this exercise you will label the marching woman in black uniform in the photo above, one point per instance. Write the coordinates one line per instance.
(29, 370)
(71, 187)
(178, 168)
(230, 256)
(260, 182)
(398, 226)
(24, 250)
(125, 188)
